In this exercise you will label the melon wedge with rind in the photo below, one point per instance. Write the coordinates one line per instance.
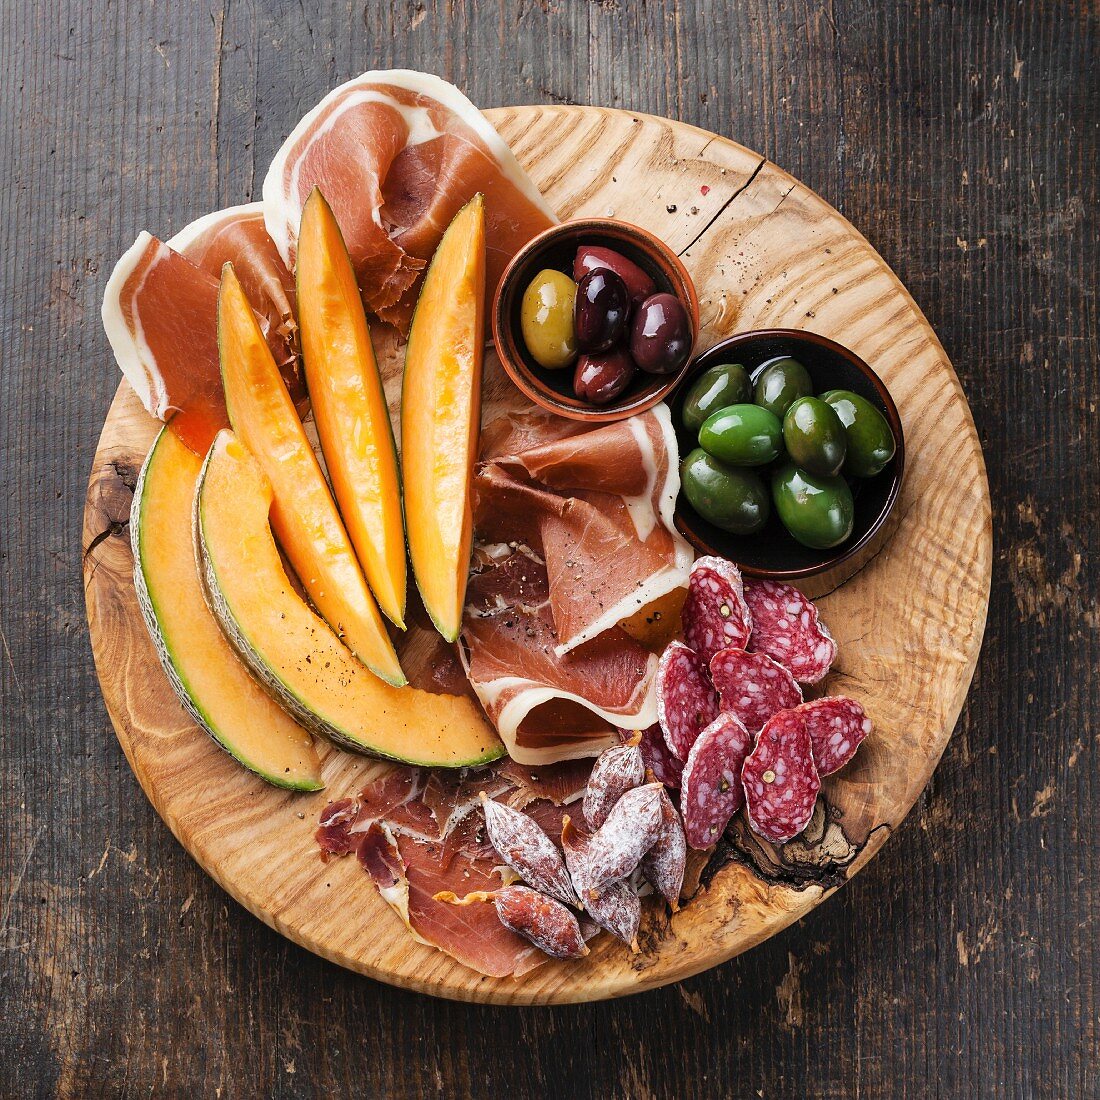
(215, 688)
(441, 417)
(304, 515)
(349, 405)
(294, 653)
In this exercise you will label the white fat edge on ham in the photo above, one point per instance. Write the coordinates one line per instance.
(397, 895)
(645, 515)
(131, 350)
(281, 203)
(457, 811)
(193, 230)
(530, 694)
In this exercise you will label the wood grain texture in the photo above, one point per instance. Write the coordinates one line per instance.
(909, 624)
(961, 140)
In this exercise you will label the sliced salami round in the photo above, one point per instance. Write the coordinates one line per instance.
(786, 626)
(780, 779)
(752, 687)
(715, 614)
(658, 758)
(711, 792)
(686, 701)
(836, 725)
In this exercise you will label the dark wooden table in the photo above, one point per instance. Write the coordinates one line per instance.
(962, 140)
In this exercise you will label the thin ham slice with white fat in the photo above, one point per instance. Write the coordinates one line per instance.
(397, 153)
(160, 315)
(419, 833)
(576, 534)
(596, 504)
(548, 708)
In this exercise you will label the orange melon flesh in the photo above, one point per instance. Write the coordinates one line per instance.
(440, 414)
(294, 653)
(349, 405)
(211, 682)
(303, 513)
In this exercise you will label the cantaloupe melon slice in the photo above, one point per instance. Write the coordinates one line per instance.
(440, 416)
(294, 653)
(215, 688)
(304, 514)
(349, 405)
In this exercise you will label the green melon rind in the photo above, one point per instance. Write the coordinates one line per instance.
(184, 692)
(268, 676)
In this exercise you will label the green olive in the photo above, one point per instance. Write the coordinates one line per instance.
(870, 441)
(734, 500)
(817, 511)
(725, 384)
(815, 437)
(780, 384)
(742, 435)
(546, 319)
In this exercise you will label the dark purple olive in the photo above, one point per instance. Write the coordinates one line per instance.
(660, 338)
(591, 257)
(600, 312)
(601, 378)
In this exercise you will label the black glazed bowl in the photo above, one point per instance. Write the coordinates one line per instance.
(773, 553)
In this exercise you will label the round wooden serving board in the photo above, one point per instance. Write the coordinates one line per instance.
(764, 252)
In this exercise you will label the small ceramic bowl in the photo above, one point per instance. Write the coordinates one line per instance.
(556, 248)
(773, 552)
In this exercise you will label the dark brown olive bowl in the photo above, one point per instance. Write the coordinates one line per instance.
(774, 553)
(556, 247)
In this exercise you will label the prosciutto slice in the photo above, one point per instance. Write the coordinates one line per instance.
(576, 535)
(397, 153)
(548, 708)
(596, 504)
(419, 833)
(160, 315)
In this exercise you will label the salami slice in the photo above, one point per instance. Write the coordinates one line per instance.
(658, 758)
(752, 686)
(715, 614)
(686, 701)
(711, 792)
(786, 626)
(780, 779)
(836, 725)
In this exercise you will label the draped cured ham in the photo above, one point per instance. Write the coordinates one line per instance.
(160, 315)
(419, 833)
(397, 153)
(576, 533)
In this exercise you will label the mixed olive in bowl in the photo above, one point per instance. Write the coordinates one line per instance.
(595, 319)
(792, 452)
